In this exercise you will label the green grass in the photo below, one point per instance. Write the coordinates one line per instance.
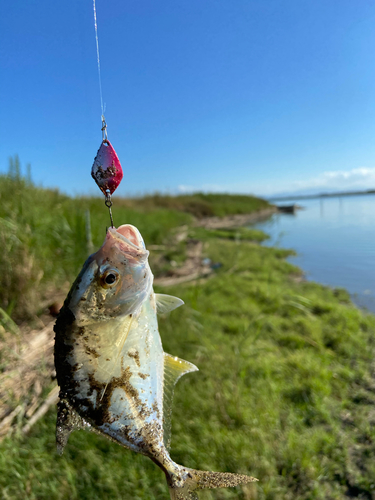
(44, 237)
(238, 234)
(285, 391)
(204, 205)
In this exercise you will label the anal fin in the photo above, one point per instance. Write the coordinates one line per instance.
(68, 420)
(174, 369)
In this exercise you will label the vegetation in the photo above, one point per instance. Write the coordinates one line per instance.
(45, 236)
(285, 392)
(206, 205)
(238, 234)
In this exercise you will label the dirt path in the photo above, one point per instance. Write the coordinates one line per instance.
(194, 266)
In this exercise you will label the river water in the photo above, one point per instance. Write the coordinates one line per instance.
(335, 242)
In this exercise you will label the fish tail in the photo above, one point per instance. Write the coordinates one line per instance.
(184, 484)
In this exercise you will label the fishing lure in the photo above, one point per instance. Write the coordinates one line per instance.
(106, 170)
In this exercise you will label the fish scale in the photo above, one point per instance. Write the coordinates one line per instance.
(113, 375)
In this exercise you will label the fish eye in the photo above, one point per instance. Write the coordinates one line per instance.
(110, 278)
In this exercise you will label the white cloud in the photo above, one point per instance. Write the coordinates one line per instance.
(336, 180)
(357, 178)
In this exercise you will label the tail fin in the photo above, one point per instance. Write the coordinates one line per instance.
(184, 486)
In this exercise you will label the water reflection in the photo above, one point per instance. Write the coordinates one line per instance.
(334, 240)
(321, 207)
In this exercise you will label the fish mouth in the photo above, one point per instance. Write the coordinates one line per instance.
(130, 236)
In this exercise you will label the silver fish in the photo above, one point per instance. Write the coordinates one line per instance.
(113, 375)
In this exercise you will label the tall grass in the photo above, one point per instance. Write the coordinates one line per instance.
(43, 237)
(44, 240)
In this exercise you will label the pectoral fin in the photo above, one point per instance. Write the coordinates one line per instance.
(174, 369)
(166, 303)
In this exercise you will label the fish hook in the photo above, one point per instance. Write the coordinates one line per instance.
(108, 203)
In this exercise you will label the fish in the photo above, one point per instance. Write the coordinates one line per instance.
(114, 377)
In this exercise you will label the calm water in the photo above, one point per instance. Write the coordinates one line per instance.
(335, 242)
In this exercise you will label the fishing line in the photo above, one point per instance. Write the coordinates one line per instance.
(98, 59)
(106, 170)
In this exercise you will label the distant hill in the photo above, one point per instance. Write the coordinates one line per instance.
(306, 194)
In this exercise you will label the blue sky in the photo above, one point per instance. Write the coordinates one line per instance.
(247, 96)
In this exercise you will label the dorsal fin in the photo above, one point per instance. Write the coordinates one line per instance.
(174, 368)
(166, 303)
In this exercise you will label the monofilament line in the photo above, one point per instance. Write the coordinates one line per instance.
(98, 58)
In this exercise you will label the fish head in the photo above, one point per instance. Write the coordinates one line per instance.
(115, 280)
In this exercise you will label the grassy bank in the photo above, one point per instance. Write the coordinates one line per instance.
(45, 236)
(285, 391)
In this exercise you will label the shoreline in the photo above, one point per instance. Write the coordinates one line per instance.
(235, 220)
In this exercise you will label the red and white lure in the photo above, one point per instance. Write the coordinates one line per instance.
(106, 170)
